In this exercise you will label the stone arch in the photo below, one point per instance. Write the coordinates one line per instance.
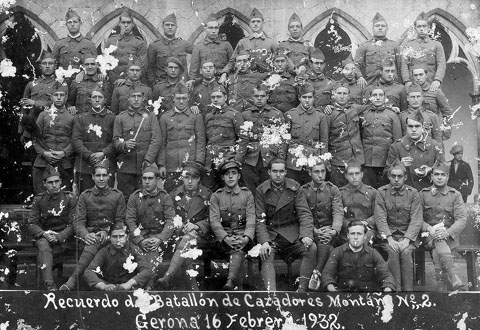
(243, 20)
(48, 37)
(101, 30)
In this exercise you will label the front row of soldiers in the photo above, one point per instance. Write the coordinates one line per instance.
(330, 229)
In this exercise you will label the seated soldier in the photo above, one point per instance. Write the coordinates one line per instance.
(50, 223)
(355, 266)
(119, 265)
(349, 80)
(284, 225)
(203, 87)
(232, 217)
(444, 216)
(325, 202)
(150, 219)
(191, 202)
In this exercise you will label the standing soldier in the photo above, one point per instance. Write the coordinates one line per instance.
(164, 88)
(460, 176)
(92, 139)
(136, 137)
(370, 54)
(71, 50)
(98, 208)
(424, 52)
(182, 139)
(309, 133)
(444, 216)
(284, 225)
(298, 49)
(232, 217)
(398, 217)
(149, 217)
(348, 80)
(50, 223)
(167, 46)
(322, 85)
(204, 86)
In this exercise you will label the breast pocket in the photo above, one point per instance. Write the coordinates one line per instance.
(366, 272)
(296, 131)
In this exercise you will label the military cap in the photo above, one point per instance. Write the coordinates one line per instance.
(279, 52)
(46, 55)
(173, 59)
(242, 53)
(458, 148)
(346, 61)
(397, 165)
(88, 55)
(71, 14)
(421, 17)
(294, 18)
(104, 163)
(416, 116)
(180, 88)
(317, 54)
(60, 87)
(261, 87)
(414, 88)
(256, 14)
(153, 168)
(441, 166)
(378, 18)
(134, 61)
(50, 171)
(170, 19)
(305, 88)
(192, 168)
(219, 88)
(126, 12)
(228, 165)
(210, 18)
(353, 163)
(135, 89)
(208, 60)
(100, 89)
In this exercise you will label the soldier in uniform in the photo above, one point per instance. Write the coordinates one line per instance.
(284, 225)
(232, 217)
(298, 49)
(309, 132)
(417, 151)
(167, 46)
(130, 48)
(222, 126)
(136, 137)
(98, 208)
(348, 80)
(92, 139)
(424, 52)
(72, 49)
(149, 217)
(191, 201)
(380, 127)
(399, 219)
(370, 54)
(182, 138)
(121, 93)
(444, 216)
(325, 203)
(203, 87)
(460, 176)
(252, 154)
(323, 85)
(53, 144)
(211, 47)
(164, 88)
(50, 223)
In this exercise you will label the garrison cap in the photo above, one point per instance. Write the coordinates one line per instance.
(416, 116)
(256, 14)
(279, 52)
(305, 89)
(414, 88)
(353, 163)
(170, 19)
(421, 17)
(104, 163)
(219, 88)
(242, 53)
(71, 14)
(397, 165)
(441, 166)
(378, 18)
(294, 18)
(151, 168)
(192, 168)
(126, 12)
(51, 171)
(180, 88)
(458, 148)
(261, 87)
(228, 165)
(46, 55)
(346, 61)
(317, 54)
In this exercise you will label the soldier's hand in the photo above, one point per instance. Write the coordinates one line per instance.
(307, 242)
(242, 242)
(96, 157)
(109, 287)
(72, 110)
(223, 79)
(90, 238)
(130, 144)
(265, 251)
(154, 243)
(189, 84)
(79, 77)
(195, 110)
(361, 83)
(119, 82)
(440, 233)
(48, 155)
(51, 238)
(407, 161)
(328, 109)
(387, 289)
(102, 77)
(189, 227)
(331, 288)
(393, 243)
(102, 236)
(396, 110)
(27, 102)
(230, 241)
(408, 84)
(403, 244)
(434, 85)
(163, 172)
(144, 245)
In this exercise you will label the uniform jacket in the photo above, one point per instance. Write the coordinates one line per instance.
(356, 93)
(398, 211)
(284, 97)
(151, 214)
(298, 50)
(71, 51)
(148, 140)
(97, 210)
(92, 132)
(289, 216)
(201, 94)
(183, 139)
(426, 53)
(79, 93)
(121, 93)
(431, 123)
(164, 89)
(240, 89)
(323, 88)
(325, 204)
(232, 212)
(445, 206)
(462, 179)
(130, 48)
(395, 93)
(52, 212)
(220, 51)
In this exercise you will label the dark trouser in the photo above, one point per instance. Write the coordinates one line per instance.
(337, 176)
(323, 252)
(289, 251)
(89, 252)
(253, 176)
(443, 262)
(128, 183)
(172, 181)
(373, 176)
(211, 180)
(37, 174)
(401, 265)
(45, 256)
(301, 176)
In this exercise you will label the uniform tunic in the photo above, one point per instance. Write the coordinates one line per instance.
(72, 51)
(284, 96)
(395, 93)
(298, 50)
(240, 89)
(130, 48)
(121, 94)
(323, 88)
(219, 51)
(79, 93)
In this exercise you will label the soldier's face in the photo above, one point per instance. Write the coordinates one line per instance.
(421, 27)
(134, 72)
(377, 97)
(349, 71)
(458, 156)
(53, 184)
(260, 98)
(211, 30)
(242, 63)
(388, 73)
(256, 24)
(190, 181)
(397, 178)
(173, 70)
(149, 181)
(415, 99)
(126, 24)
(341, 95)
(218, 99)
(90, 66)
(59, 99)
(136, 100)
(295, 30)
(380, 29)
(180, 101)
(47, 66)
(354, 176)
(118, 238)
(419, 76)
(97, 100)
(100, 178)
(356, 236)
(318, 173)
(73, 25)
(318, 65)
(169, 29)
(439, 178)
(208, 70)
(414, 129)
(277, 173)
(306, 100)
(280, 64)
(231, 177)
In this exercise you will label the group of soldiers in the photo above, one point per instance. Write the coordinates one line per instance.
(252, 145)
